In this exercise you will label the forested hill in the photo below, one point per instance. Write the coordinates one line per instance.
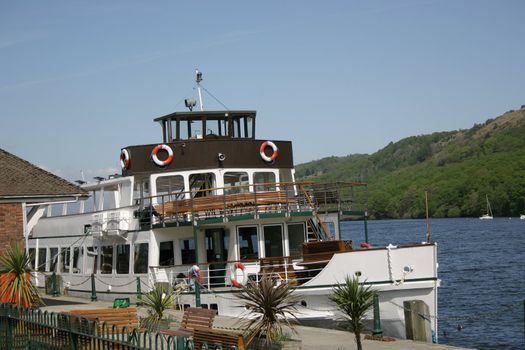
(457, 168)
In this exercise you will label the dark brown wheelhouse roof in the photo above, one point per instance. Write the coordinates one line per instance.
(24, 182)
(197, 115)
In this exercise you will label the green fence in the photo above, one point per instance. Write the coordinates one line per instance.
(32, 329)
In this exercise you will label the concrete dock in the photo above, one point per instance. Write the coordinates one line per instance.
(312, 338)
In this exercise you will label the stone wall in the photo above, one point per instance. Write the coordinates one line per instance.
(11, 224)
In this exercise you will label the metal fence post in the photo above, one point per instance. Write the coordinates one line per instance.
(378, 331)
(93, 288)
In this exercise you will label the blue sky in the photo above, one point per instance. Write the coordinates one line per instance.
(81, 79)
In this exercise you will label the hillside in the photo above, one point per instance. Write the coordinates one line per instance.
(457, 168)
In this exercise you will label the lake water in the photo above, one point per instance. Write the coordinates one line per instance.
(482, 272)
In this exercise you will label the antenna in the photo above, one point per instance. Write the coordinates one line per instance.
(198, 80)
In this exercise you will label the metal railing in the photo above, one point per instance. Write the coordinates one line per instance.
(248, 199)
(32, 329)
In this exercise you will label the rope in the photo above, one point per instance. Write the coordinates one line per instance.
(115, 285)
(78, 284)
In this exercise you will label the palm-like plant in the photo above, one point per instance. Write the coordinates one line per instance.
(354, 300)
(271, 307)
(15, 280)
(158, 300)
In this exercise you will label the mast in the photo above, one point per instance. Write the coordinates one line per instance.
(198, 80)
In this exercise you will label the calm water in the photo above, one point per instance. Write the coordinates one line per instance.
(482, 272)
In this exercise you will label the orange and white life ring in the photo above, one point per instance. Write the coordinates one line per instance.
(156, 159)
(195, 273)
(233, 275)
(124, 159)
(274, 154)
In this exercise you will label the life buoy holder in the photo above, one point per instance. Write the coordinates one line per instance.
(233, 275)
(156, 159)
(124, 159)
(274, 154)
(195, 273)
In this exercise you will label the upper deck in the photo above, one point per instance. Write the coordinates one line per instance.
(206, 140)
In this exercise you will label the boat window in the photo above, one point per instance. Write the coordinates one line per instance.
(273, 240)
(64, 260)
(166, 257)
(249, 127)
(110, 199)
(140, 258)
(106, 260)
(53, 252)
(234, 180)
(42, 259)
(200, 183)
(264, 178)
(32, 257)
(78, 254)
(91, 260)
(238, 127)
(141, 190)
(216, 127)
(123, 251)
(248, 242)
(187, 251)
(296, 238)
(170, 188)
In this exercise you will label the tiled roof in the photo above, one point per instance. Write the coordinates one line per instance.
(19, 178)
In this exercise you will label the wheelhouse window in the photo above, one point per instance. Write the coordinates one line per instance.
(42, 259)
(273, 240)
(248, 242)
(78, 255)
(233, 181)
(106, 260)
(123, 251)
(243, 127)
(140, 258)
(187, 251)
(166, 257)
(264, 181)
(296, 238)
(217, 127)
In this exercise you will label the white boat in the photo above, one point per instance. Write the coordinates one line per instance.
(522, 216)
(488, 215)
(229, 204)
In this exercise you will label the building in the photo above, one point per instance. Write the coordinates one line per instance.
(25, 192)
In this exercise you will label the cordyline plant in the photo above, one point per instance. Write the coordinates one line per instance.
(15, 278)
(354, 300)
(271, 307)
(158, 300)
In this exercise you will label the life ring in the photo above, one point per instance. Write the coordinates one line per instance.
(124, 159)
(157, 160)
(274, 154)
(195, 272)
(233, 275)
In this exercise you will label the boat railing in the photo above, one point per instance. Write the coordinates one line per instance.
(220, 274)
(247, 199)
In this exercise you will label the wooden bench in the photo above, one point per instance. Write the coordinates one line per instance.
(213, 337)
(114, 318)
(193, 317)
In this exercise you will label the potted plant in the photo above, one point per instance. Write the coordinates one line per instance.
(15, 279)
(354, 300)
(271, 307)
(157, 301)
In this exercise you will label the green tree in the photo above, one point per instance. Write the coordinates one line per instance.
(354, 300)
(271, 307)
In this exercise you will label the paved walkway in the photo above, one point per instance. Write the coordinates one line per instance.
(312, 338)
